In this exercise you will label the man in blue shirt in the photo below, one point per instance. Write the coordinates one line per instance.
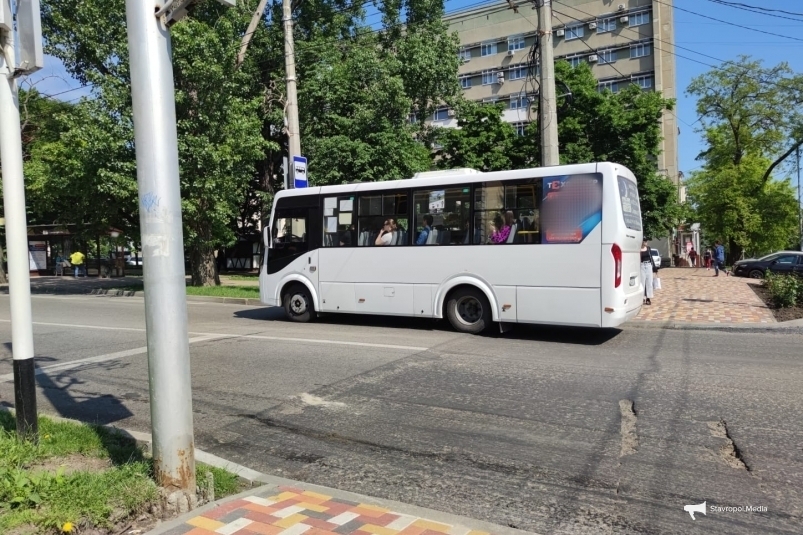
(424, 234)
(719, 258)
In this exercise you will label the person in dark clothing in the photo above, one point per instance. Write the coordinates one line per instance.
(647, 269)
(347, 236)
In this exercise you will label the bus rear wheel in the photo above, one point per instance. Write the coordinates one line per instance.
(468, 310)
(298, 305)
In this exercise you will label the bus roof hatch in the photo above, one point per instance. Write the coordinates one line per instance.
(447, 172)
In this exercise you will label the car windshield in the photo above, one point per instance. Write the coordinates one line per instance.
(772, 256)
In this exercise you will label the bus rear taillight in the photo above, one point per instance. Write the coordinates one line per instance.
(616, 251)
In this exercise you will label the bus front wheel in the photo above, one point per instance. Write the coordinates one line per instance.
(468, 310)
(298, 305)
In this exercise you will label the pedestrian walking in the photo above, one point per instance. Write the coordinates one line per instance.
(693, 257)
(707, 259)
(719, 258)
(77, 260)
(648, 267)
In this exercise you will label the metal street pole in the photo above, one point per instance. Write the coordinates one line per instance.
(799, 206)
(548, 102)
(19, 283)
(293, 129)
(163, 250)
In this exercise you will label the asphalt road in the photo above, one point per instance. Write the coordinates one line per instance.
(544, 429)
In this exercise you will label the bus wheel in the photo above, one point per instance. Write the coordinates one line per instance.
(298, 304)
(468, 310)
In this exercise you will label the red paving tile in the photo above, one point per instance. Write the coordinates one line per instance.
(225, 509)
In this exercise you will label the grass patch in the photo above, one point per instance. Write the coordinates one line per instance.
(248, 292)
(243, 277)
(82, 474)
(226, 483)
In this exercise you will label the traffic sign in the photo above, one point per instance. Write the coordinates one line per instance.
(299, 171)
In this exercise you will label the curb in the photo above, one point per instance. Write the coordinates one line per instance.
(116, 292)
(791, 326)
(269, 482)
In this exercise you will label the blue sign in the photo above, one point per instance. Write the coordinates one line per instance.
(299, 172)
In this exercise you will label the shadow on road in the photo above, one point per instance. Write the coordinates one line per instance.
(536, 333)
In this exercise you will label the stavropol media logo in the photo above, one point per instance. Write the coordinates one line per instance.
(691, 509)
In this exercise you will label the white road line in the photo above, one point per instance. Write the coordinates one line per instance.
(92, 360)
(249, 336)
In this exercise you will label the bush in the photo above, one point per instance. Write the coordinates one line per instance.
(785, 290)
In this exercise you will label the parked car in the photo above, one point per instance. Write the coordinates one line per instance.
(656, 257)
(780, 262)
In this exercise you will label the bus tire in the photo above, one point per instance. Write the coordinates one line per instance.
(297, 303)
(468, 310)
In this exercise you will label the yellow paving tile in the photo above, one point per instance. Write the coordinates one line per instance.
(323, 497)
(206, 523)
(378, 530)
(313, 507)
(434, 526)
(374, 508)
(283, 496)
(290, 521)
(475, 532)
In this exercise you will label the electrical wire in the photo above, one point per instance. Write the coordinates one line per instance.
(770, 12)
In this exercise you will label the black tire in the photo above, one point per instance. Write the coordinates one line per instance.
(468, 310)
(297, 303)
(756, 274)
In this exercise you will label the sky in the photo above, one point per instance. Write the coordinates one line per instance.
(702, 43)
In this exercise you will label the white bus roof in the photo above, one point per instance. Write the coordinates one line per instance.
(457, 177)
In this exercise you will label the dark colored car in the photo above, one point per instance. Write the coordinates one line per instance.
(780, 262)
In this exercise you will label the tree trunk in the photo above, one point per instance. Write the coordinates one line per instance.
(203, 267)
(3, 278)
(734, 252)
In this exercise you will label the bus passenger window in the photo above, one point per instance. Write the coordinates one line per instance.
(442, 216)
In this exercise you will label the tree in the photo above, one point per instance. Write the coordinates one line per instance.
(624, 127)
(217, 109)
(750, 109)
(733, 203)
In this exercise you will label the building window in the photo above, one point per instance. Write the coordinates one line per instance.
(515, 42)
(489, 48)
(639, 51)
(488, 77)
(521, 128)
(518, 72)
(492, 100)
(606, 56)
(441, 114)
(464, 54)
(519, 103)
(412, 119)
(606, 25)
(637, 19)
(574, 61)
(574, 32)
(465, 82)
(644, 82)
(611, 85)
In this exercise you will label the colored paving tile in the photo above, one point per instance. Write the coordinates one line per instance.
(694, 295)
(294, 511)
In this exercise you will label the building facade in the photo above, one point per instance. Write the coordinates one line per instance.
(624, 41)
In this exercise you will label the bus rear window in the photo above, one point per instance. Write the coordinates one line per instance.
(628, 194)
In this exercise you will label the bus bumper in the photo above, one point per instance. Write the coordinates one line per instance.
(613, 317)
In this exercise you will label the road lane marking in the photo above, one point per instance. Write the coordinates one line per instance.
(249, 336)
(93, 360)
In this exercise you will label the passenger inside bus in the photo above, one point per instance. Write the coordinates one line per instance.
(424, 234)
(347, 236)
(386, 233)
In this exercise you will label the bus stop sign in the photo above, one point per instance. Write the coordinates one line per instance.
(299, 172)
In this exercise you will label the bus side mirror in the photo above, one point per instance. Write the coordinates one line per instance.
(266, 236)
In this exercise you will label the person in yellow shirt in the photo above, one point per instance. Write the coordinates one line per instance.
(77, 260)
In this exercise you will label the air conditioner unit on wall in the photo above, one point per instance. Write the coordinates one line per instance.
(624, 19)
(592, 25)
(622, 7)
(593, 58)
(500, 78)
(511, 52)
(450, 113)
(560, 32)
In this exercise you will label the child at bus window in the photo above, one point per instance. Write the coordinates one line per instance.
(424, 234)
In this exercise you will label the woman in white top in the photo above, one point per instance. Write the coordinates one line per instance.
(386, 234)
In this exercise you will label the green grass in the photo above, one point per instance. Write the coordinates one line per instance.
(243, 277)
(251, 292)
(31, 495)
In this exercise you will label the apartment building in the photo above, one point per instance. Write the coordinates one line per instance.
(624, 41)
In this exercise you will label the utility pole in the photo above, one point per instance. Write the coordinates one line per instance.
(156, 142)
(293, 130)
(799, 206)
(548, 116)
(19, 285)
